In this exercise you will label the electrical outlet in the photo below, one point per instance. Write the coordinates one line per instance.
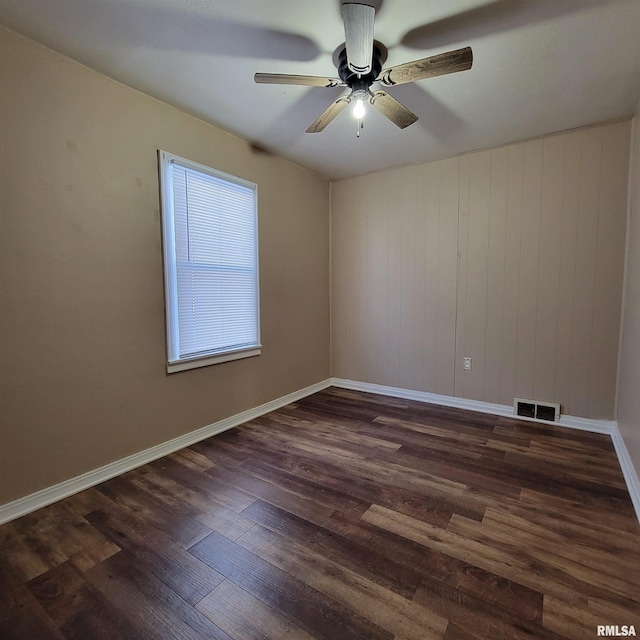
(467, 364)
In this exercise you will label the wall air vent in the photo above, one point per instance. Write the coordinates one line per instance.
(547, 411)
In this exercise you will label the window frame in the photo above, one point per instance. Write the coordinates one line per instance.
(176, 363)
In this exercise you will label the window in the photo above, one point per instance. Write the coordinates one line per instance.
(210, 237)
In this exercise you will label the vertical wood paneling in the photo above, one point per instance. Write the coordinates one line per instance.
(549, 258)
(340, 277)
(511, 295)
(586, 245)
(420, 360)
(496, 275)
(354, 298)
(609, 267)
(381, 271)
(375, 202)
(529, 256)
(628, 398)
(407, 213)
(447, 273)
(569, 236)
(431, 200)
(355, 293)
(477, 277)
(393, 339)
(511, 256)
(463, 267)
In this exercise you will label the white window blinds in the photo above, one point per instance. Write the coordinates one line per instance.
(211, 263)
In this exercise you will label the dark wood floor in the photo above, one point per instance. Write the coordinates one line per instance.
(345, 516)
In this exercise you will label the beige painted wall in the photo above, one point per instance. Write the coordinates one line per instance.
(512, 256)
(628, 415)
(82, 343)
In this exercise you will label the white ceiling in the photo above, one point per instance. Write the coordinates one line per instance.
(540, 66)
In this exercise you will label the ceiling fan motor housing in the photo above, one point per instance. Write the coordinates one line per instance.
(359, 82)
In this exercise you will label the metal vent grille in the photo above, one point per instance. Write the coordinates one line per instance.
(547, 411)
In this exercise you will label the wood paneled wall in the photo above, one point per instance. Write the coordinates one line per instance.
(513, 256)
(628, 409)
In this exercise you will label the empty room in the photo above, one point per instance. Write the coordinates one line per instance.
(319, 320)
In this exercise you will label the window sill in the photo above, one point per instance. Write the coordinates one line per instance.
(194, 363)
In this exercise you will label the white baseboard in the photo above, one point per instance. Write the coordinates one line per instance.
(628, 471)
(573, 422)
(49, 495)
(607, 427)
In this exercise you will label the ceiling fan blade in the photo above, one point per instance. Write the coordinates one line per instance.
(388, 106)
(491, 17)
(358, 35)
(328, 115)
(441, 64)
(308, 81)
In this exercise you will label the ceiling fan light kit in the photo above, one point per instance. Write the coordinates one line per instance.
(359, 64)
(358, 109)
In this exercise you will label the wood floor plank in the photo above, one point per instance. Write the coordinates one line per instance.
(222, 493)
(391, 471)
(542, 431)
(543, 561)
(87, 501)
(16, 600)
(368, 482)
(291, 500)
(181, 527)
(443, 445)
(599, 558)
(479, 618)
(570, 621)
(454, 632)
(205, 508)
(317, 490)
(623, 519)
(77, 608)
(222, 452)
(416, 458)
(567, 522)
(168, 561)
(361, 559)
(343, 515)
(245, 617)
(388, 610)
(60, 528)
(150, 606)
(293, 598)
(331, 433)
(442, 572)
(24, 555)
(191, 459)
(506, 560)
(629, 612)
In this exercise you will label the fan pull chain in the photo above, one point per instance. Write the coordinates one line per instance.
(359, 125)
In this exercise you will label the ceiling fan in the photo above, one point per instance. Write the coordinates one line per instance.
(359, 64)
